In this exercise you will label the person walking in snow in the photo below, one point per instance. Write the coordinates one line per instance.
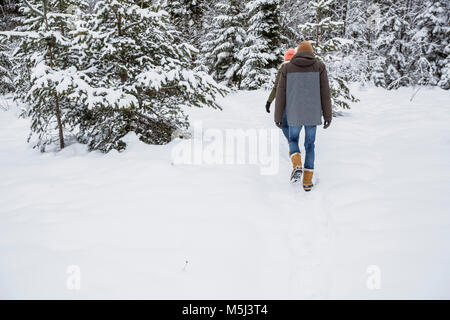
(287, 57)
(303, 94)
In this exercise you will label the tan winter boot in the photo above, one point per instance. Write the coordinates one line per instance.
(307, 179)
(297, 170)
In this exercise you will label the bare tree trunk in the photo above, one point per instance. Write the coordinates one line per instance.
(119, 24)
(317, 28)
(369, 45)
(345, 18)
(57, 108)
(58, 118)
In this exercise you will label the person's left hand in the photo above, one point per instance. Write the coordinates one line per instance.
(326, 124)
(268, 107)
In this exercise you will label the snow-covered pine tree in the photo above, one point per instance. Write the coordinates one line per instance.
(6, 76)
(393, 42)
(355, 56)
(187, 16)
(430, 61)
(326, 48)
(132, 56)
(9, 11)
(262, 53)
(375, 61)
(43, 51)
(10, 18)
(292, 13)
(223, 42)
(444, 81)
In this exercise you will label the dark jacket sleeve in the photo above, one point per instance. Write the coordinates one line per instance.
(273, 93)
(280, 102)
(325, 95)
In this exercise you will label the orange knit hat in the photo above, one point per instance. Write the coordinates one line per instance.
(289, 54)
(304, 46)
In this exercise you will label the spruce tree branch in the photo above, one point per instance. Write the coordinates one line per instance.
(36, 11)
(131, 26)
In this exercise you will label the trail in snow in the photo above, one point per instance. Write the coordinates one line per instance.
(130, 221)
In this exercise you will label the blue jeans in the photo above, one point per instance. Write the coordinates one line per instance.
(310, 138)
(285, 127)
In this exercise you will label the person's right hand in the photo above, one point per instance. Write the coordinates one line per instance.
(326, 124)
(278, 124)
(268, 107)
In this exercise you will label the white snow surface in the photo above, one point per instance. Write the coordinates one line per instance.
(140, 227)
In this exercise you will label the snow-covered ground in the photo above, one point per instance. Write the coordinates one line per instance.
(135, 225)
